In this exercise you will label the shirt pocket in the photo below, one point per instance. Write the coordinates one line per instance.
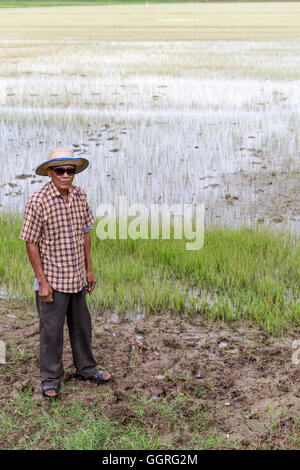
(77, 222)
(54, 226)
(50, 232)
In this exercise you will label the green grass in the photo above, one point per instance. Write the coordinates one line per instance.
(27, 423)
(238, 274)
(69, 426)
(47, 3)
(39, 3)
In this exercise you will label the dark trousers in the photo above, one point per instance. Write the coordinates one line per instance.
(52, 318)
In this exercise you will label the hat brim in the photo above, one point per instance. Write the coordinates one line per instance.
(80, 164)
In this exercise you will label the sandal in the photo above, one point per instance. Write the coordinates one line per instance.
(99, 379)
(46, 388)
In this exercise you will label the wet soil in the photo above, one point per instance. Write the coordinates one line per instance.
(245, 382)
(267, 197)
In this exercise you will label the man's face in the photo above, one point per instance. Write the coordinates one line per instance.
(61, 179)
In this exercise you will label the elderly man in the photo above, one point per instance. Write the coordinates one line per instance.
(56, 229)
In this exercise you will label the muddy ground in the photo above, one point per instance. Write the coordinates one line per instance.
(267, 197)
(246, 383)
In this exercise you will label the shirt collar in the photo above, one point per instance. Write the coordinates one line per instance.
(54, 191)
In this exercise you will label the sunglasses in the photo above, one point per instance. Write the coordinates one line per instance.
(61, 171)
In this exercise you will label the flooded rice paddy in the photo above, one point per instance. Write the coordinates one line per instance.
(212, 122)
(184, 104)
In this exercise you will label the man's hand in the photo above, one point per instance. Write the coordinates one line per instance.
(91, 282)
(46, 292)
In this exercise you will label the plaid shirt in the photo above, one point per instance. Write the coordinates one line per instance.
(57, 226)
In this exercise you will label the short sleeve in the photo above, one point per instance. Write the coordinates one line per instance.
(88, 229)
(32, 225)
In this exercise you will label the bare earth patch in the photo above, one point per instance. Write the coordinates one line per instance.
(232, 380)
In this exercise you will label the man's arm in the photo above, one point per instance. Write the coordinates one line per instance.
(45, 291)
(91, 281)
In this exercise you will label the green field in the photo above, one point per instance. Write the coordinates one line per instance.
(196, 99)
(47, 3)
(243, 283)
(34, 3)
(63, 67)
(244, 274)
(238, 274)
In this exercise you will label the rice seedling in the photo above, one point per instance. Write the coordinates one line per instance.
(210, 122)
(203, 122)
(238, 274)
(183, 103)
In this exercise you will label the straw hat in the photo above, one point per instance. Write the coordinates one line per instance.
(61, 156)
